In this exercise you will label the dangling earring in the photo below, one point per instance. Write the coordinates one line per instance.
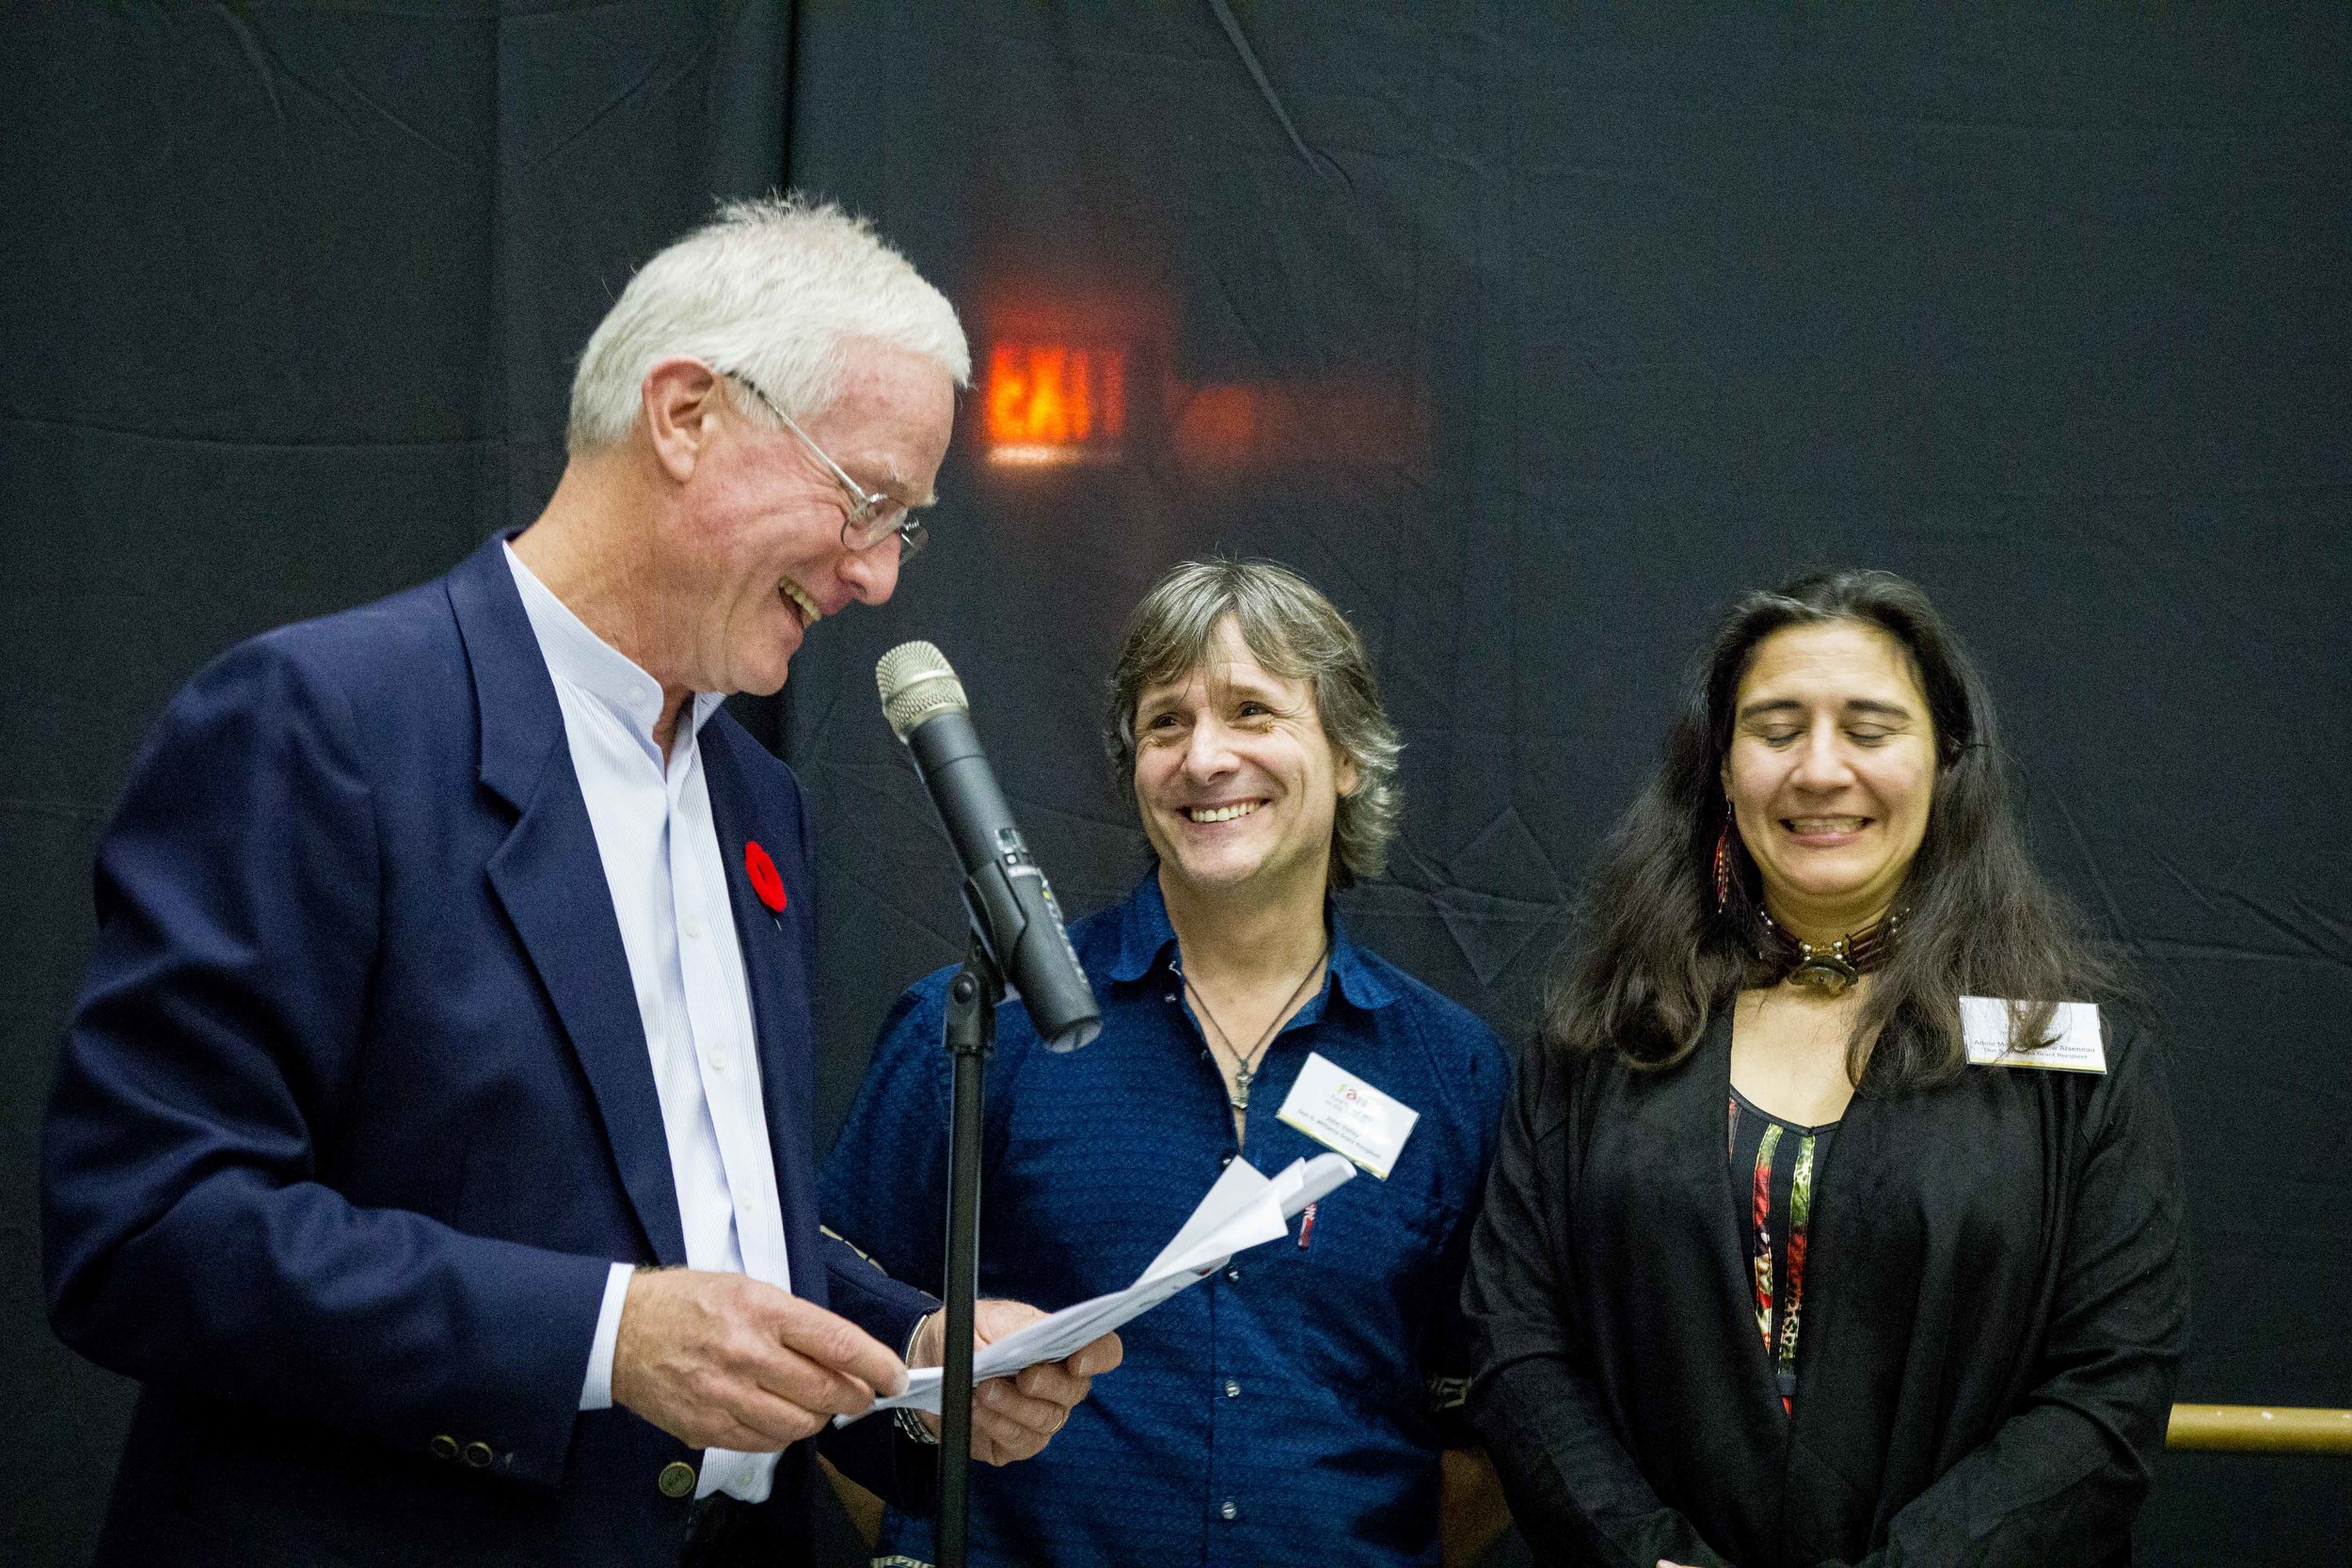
(1722, 862)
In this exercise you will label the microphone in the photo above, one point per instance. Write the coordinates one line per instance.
(1012, 907)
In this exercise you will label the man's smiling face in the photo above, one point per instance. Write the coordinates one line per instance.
(1235, 777)
(757, 546)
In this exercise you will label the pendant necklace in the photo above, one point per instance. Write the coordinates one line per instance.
(1831, 967)
(1245, 1066)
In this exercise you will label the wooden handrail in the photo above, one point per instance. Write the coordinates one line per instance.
(2259, 1429)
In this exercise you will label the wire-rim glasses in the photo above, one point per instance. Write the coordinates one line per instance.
(872, 516)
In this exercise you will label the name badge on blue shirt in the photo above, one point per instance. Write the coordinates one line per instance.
(1343, 1112)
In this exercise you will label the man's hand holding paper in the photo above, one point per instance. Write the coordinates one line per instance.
(1243, 1209)
(1013, 1417)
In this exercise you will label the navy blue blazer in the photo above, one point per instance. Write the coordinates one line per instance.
(355, 1111)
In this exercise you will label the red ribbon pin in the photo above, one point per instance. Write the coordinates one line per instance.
(765, 882)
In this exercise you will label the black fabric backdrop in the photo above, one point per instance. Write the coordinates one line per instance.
(1530, 333)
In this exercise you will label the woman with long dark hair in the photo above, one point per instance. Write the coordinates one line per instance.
(1838, 1218)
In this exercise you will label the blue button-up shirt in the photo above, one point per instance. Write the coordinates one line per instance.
(1290, 1409)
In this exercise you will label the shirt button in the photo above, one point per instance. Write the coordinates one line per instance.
(718, 1061)
(1229, 1509)
(1224, 1161)
(692, 927)
(1232, 1274)
(1232, 1390)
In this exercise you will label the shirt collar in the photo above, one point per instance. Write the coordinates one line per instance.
(1147, 939)
(578, 655)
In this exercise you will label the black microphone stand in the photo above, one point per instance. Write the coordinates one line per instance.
(971, 1034)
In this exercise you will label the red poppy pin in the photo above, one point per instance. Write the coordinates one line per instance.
(764, 879)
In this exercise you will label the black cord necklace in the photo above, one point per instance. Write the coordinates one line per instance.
(1830, 967)
(1245, 1068)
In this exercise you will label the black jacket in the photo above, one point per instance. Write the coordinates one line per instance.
(1997, 1303)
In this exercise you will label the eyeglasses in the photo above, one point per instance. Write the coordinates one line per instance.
(872, 516)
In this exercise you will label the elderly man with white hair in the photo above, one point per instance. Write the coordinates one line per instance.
(431, 1136)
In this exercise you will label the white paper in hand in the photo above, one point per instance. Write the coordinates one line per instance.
(1243, 1209)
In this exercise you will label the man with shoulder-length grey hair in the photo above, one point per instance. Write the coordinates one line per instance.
(431, 1133)
(1301, 1406)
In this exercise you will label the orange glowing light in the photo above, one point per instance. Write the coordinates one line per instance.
(1226, 430)
(1056, 402)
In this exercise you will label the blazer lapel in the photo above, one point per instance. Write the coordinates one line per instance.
(777, 978)
(550, 878)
